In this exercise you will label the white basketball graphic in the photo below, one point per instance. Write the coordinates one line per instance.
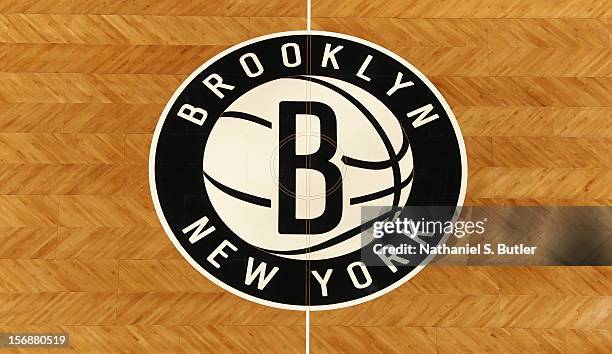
(267, 156)
(241, 155)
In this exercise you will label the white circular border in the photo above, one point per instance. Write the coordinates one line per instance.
(239, 293)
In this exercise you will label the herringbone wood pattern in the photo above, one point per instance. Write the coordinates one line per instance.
(82, 84)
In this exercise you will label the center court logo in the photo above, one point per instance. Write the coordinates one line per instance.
(265, 156)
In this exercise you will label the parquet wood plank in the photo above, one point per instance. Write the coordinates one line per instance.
(131, 7)
(583, 122)
(363, 315)
(263, 8)
(438, 310)
(225, 8)
(240, 339)
(100, 210)
(48, 276)
(259, 26)
(122, 29)
(340, 339)
(137, 148)
(548, 33)
(450, 280)
(570, 312)
(577, 281)
(104, 59)
(498, 280)
(579, 122)
(551, 183)
(463, 9)
(151, 339)
(35, 211)
(552, 152)
(393, 32)
(479, 150)
(581, 92)
(135, 242)
(432, 310)
(562, 62)
(25, 148)
(482, 182)
(86, 88)
(58, 308)
(393, 8)
(33, 6)
(591, 341)
(497, 91)
(28, 242)
(136, 180)
(47, 179)
(526, 91)
(110, 118)
(164, 276)
(31, 118)
(447, 61)
(198, 308)
(500, 340)
(512, 121)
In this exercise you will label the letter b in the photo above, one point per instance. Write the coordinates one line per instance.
(290, 162)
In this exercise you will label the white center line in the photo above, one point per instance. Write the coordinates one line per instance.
(308, 5)
(307, 330)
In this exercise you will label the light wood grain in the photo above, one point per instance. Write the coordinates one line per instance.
(82, 84)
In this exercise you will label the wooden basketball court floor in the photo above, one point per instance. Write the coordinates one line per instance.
(82, 84)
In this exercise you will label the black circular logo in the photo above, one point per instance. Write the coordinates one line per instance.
(266, 160)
